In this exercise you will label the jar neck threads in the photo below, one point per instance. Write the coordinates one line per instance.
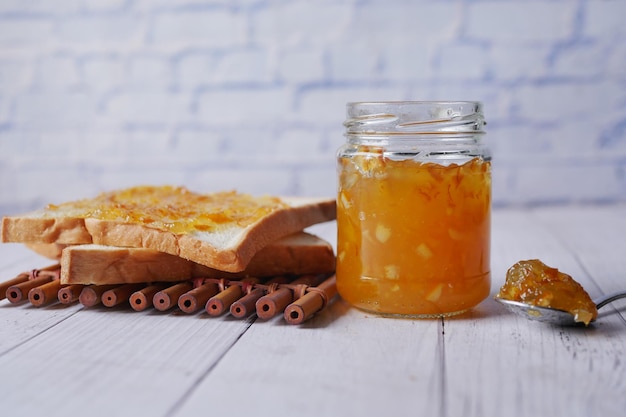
(439, 131)
(414, 118)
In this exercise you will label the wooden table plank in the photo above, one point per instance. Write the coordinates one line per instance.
(19, 323)
(104, 363)
(343, 362)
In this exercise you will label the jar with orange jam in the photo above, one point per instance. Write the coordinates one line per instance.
(414, 208)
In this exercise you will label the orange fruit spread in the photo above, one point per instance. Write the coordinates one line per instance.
(173, 209)
(535, 283)
(413, 237)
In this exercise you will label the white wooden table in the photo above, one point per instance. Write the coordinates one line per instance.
(75, 361)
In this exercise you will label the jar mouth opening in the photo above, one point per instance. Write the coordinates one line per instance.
(415, 117)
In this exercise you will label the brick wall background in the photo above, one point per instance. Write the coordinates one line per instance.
(250, 94)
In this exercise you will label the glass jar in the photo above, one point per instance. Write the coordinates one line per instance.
(414, 208)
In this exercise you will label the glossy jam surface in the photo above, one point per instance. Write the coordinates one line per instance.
(413, 237)
(173, 209)
(535, 283)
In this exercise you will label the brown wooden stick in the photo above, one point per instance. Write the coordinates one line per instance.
(56, 268)
(44, 294)
(70, 294)
(118, 295)
(245, 306)
(221, 302)
(91, 295)
(52, 271)
(19, 292)
(194, 300)
(275, 302)
(142, 299)
(21, 278)
(168, 298)
(313, 301)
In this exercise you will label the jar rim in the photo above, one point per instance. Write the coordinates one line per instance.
(414, 117)
(412, 102)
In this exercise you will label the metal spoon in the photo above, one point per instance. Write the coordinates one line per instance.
(553, 315)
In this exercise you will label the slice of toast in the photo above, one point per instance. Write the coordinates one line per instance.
(299, 253)
(220, 230)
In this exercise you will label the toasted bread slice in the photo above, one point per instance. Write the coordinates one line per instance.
(300, 253)
(220, 230)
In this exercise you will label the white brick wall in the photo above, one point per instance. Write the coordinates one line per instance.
(250, 94)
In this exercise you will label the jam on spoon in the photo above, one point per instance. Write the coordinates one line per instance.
(542, 293)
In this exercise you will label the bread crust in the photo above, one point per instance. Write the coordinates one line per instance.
(297, 254)
(28, 229)
(230, 254)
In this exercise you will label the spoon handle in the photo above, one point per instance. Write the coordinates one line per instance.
(609, 298)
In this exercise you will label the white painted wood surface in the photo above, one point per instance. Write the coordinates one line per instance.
(73, 361)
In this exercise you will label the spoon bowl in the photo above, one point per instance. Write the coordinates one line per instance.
(553, 315)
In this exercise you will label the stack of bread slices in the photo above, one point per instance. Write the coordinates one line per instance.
(166, 234)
